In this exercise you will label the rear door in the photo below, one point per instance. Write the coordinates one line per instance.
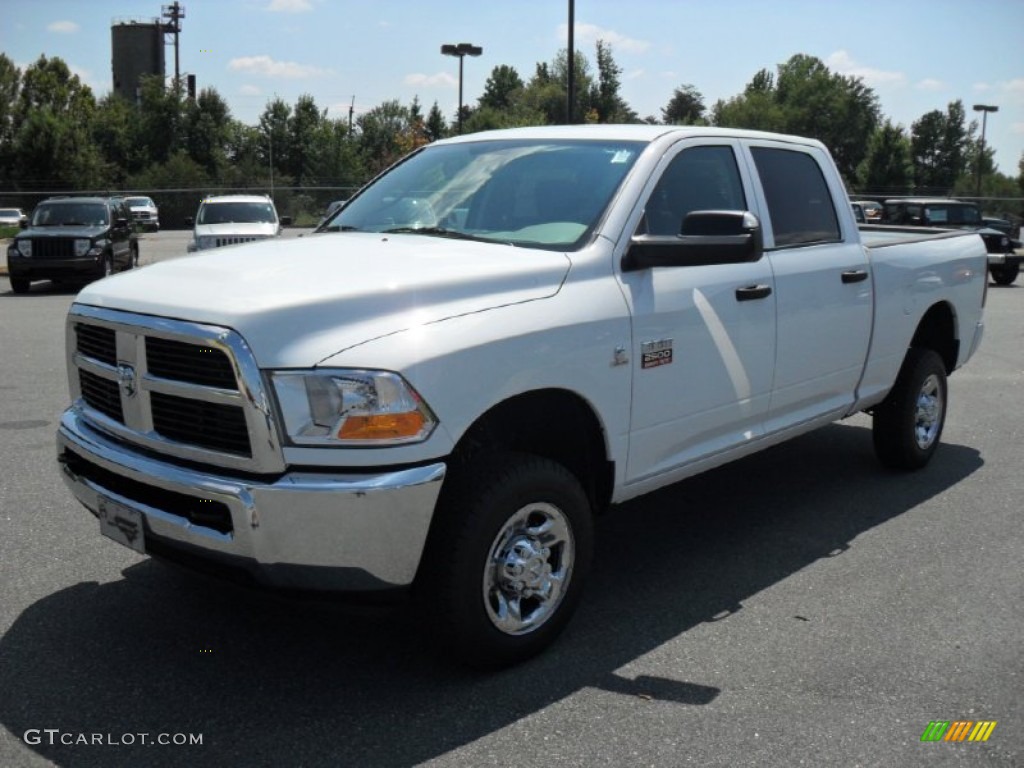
(824, 294)
(703, 335)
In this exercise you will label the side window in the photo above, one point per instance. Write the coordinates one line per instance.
(798, 198)
(697, 179)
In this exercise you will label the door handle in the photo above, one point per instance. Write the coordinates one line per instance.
(855, 275)
(752, 292)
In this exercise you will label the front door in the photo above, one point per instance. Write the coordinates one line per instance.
(703, 336)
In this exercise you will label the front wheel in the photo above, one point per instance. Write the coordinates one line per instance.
(1005, 274)
(19, 284)
(908, 423)
(506, 561)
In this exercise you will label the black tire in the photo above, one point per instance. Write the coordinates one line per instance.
(20, 284)
(133, 258)
(106, 268)
(1005, 273)
(491, 511)
(908, 423)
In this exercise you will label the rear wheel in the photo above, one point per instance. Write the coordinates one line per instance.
(506, 561)
(19, 284)
(908, 423)
(1005, 274)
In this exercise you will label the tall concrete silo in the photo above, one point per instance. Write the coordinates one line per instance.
(138, 49)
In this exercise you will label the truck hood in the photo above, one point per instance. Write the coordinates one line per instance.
(299, 301)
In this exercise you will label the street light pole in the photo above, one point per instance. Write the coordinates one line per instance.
(461, 50)
(984, 109)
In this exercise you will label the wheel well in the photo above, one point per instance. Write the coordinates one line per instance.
(553, 423)
(937, 331)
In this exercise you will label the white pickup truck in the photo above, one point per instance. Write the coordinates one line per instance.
(495, 340)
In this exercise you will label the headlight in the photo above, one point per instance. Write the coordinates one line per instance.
(1005, 242)
(82, 247)
(351, 407)
(25, 248)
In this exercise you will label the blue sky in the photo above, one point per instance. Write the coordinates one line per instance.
(918, 55)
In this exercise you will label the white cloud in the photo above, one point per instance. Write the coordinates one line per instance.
(441, 79)
(844, 64)
(268, 67)
(63, 27)
(930, 84)
(249, 90)
(290, 6)
(981, 87)
(634, 74)
(589, 34)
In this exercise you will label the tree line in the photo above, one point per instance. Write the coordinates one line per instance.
(55, 135)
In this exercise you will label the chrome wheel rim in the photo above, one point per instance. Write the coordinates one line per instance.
(928, 412)
(528, 569)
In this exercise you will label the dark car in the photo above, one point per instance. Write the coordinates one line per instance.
(946, 213)
(73, 239)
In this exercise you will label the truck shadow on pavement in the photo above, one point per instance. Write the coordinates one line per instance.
(272, 682)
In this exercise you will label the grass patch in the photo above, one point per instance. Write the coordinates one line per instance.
(7, 232)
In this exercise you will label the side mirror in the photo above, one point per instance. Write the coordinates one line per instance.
(23, 222)
(706, 237)
(121, 223)
(286, 221)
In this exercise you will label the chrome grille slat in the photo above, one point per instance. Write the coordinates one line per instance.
(97, 342)
(101, 394)
(191, 363)
(209, 425)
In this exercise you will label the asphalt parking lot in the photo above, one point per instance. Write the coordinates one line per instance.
(799, 607)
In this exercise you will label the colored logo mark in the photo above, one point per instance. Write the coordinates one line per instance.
(958, 730)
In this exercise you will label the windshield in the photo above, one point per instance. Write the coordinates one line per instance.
(235, 212)
(542, 193)
(952, 214)
(8, 212)
(70, 214)
(140, 202)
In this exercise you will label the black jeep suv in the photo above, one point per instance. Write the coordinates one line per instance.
(73, 239)
(944, 212)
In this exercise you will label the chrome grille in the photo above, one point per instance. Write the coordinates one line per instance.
(184, 389)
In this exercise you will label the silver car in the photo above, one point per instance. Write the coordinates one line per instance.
(12, 217)
(144, 213)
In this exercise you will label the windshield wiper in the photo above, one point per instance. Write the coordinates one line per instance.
(436, 232)
(341, 228)
(72, 223)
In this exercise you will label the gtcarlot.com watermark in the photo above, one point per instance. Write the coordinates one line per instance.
(55, 736)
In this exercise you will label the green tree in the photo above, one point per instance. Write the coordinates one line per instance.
(435, 126)
(807, 99)
(686, 107)
(115, 133)
(300, 151)
(51, 123)
(888, 168)
(502, 88)
(274, 135)
(10, 86)
(208, 127)
(605, 98)
(939, 144)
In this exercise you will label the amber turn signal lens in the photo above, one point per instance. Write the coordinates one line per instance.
(383, 426)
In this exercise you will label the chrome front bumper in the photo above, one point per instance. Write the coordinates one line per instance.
(302, 530)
